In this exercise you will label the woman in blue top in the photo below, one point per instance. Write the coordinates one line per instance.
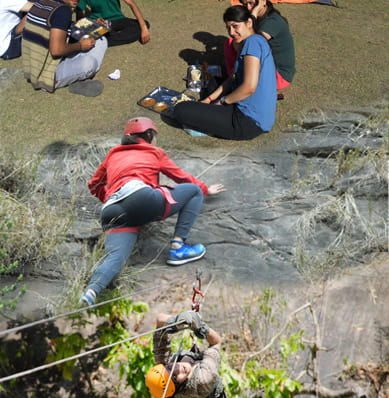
(244, 106)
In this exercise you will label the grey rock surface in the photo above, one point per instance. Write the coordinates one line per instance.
(253, 231)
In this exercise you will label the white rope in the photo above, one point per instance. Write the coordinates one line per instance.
(49, 365)
(174, 365)
(35, 323)
(214, 164)
(46, 366)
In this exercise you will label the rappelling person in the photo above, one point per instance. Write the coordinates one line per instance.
(193, 373)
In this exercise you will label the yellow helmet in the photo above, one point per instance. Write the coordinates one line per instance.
(156, 381)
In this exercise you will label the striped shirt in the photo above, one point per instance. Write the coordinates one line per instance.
(38, 63)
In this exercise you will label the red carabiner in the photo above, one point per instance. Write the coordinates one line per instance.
(196, 303)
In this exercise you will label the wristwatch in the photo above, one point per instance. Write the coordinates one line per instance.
(223, 100)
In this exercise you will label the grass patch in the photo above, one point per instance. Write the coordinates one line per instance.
(336, 58)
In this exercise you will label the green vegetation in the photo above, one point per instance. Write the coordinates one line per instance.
(133, 357)
(243, 372)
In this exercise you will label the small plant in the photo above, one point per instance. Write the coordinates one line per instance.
(258, 338)
(291, 346)
(260, 313)
(134, 357)
(68, 345)
(234, 382)
(16, 289)
(277, 384)
(64, 347)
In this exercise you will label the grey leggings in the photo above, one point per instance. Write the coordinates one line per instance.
(80, 66)
(141, 207)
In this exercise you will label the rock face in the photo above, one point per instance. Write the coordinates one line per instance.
(323, 189)
(303, 211)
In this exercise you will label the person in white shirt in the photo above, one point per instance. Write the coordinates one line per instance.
(13, 17)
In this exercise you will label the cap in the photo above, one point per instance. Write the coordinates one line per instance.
(139, 125)
(156, 381)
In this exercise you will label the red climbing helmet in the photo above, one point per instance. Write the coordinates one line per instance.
(139, 125)
(156, 381)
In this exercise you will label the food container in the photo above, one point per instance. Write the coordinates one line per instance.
(194, 78)
(86, 28)
(161, 100)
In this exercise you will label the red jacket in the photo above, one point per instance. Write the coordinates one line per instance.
(139, 161)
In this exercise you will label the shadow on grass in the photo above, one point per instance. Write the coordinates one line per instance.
(213, 53)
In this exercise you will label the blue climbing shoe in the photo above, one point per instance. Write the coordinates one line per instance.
(89, 298)
(185, 254)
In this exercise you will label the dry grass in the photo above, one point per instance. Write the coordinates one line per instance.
(357, 231)
(42, 229)
(340, 57)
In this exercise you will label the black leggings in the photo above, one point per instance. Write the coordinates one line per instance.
(124, 31)
(221, 121)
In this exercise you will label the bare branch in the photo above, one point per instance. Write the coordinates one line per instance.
(275, 337)
(323, 392)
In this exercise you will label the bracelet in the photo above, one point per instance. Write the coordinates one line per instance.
(210, 99)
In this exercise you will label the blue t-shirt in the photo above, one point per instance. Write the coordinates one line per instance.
(261, 105)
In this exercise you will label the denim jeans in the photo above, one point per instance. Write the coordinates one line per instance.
(138, 209)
